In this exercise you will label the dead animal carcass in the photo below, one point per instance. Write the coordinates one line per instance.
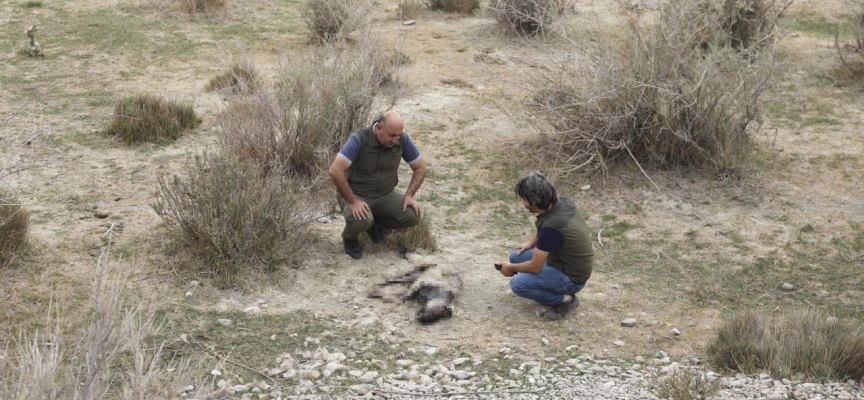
(433, 288)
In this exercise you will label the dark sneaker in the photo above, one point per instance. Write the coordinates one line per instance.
(376, 233)
(352, 248)
(542, 310)
(561, 310)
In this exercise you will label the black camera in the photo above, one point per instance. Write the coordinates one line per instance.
(498, 266)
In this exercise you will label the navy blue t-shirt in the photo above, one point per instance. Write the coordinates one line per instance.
(549, 239)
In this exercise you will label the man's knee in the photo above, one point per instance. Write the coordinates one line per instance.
(514, 255)
(518, 285)
(361, 224)
(408, 218)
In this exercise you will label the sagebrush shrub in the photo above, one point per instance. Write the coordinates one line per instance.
(527, 17)
(240, 78)
(409, 9)
(684, 383)
(236, 219)
(149, 118)
(671, 93)
(14, 226)
(322, 96)
(750, 22)
(454, 6)
(794, 344)
(328, 20)
(849, 38)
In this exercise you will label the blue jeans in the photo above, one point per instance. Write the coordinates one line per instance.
(547, 287)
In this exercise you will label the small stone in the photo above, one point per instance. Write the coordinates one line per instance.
(675, 332)
(194, 284)
(660, 354)
(640, 359)
(240, 388)
(431, 351)
(100, 214)
(184, 338)
(619, 343)
(188, 388)
(572, 347)
(775, 396)
(404, 363)
(793, 34)
(514, 373)
(323, 220)
(274, 371)
(460, 374)
(221, 384)
(216, 372)
(586, 187)
(695, 361)
(188, 294)
(629, 322)
(460, 361)
(254, 310)
(544, 341)
(787, 286)
(504, 350)
(225, 322)
(409, 22)
(368, 377)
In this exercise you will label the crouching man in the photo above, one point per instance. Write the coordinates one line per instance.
(555, 264)
(365, 172)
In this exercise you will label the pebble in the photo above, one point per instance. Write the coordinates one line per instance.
(459, 374)
(629, 322)
(216, 372)
(586, 187)
(409, 22)
(226, 322)
(431, 351)
(619, 343)
(254, 310)
(194, 284)
(544, 341)
(460, 361)
(188, 294)
(787, 286)
(675, 332)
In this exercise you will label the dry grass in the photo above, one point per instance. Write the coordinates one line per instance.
(148, 118)
(239, 78)
(411, 239)
(329, 20)
(14, 227)
(797, 344)
(668, 94)
(454, 6)
(409, 9)
(849, 39)
(683, 383)
(322, 96)
(527, 17)
(239, 221)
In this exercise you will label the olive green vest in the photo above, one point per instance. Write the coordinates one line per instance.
(575, 257)
(375, 171)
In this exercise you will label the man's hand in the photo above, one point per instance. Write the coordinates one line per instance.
(410, 202)
(525, 247)
(359, 209)
(507, 269)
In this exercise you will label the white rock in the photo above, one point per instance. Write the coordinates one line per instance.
(514, 373)
(188, 294)
(460, 361)
(640, 359)
(660, 354)
(409, 22)
(323, 220)
(368, 377)
(586, 187)
(360, 389)
(629, 322)
(221, 384)
(189, 388)
(216, 372)
(460, 374)
(675, 332)
(254, 310)
(544, 341)
(275, 371)
(572, 347)
(504, 350)
(431, 351)
(619, 343)
(404, 363)
(787, 286)
(775, 396)
(310, 374)
(226, 322)
(240, 388)
(184, 338)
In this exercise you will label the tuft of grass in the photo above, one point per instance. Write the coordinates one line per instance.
(148, 118)
(31, 4)
(527, 17)
(411, 239)
(328, 20)
(409, 9)
(237, 220)
(684, 384)
(199, 6)
(454, 6)
(798, 343)
(241, 79)
(14, 226)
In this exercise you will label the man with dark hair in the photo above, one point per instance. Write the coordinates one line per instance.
(554, 265)
(365, 172)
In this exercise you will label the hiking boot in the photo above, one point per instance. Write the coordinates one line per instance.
(542, 310)
(561, 310)
(352, 248)
(376, 233)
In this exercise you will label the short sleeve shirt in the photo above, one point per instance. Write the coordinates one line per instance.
(549, 239)
(351, 149)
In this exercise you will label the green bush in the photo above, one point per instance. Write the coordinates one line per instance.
(235, 219)
(14, 226)
(322, 96)
(801, 343)
(454, 6)
(241, 79)
(527, 17)
(671, 93)
(148, 118)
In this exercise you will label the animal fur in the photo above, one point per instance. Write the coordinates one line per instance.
(434, 290)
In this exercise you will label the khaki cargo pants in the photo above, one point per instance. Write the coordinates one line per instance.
(386, 213)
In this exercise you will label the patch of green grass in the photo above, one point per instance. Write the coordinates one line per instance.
(818, 25)
(31, 4)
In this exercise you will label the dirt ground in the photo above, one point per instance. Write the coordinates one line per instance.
(811, 175)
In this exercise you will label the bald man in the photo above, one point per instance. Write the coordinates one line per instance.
(365, 173)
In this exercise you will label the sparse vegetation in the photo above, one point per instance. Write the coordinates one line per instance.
(668, 95)
(798, 343)
(148, 118)
(409, 9)
(849, 38)
(331, 19)
(454, 6)
(237, 220)
(240, 78)
(684, 383)
(527, 17)
(14, 226)
(31, 4)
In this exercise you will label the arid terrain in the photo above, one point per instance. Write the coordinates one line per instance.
(678, 250)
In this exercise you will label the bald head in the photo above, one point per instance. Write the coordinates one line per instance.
(389, 129)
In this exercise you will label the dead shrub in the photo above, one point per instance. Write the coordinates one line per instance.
(454, 6)
(14, 226)
(849, 38)
(750, 22)
(800, 343)
(322, 96)
(239, 78)
(674, 93)
(409, 9)
(148, 118)
(683, 383)
(527, 17)
(237, 220)
(329, 20)
(199, 6)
